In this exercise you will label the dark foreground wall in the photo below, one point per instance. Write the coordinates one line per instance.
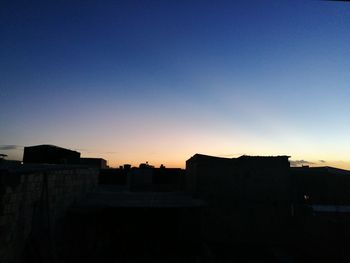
(34, 200)
(133, 234)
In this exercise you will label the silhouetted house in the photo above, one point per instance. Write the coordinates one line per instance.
(94, 162)
(321, 185)
(245, 179)
(248, 197)
(50, 154)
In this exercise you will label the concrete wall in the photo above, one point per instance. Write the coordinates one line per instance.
(34, 200)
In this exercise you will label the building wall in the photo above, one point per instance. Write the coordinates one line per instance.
(248, 198)
(33, 204)
(321, 185)
(140, 179)
(113, 176)
(94, 162)
(250, 179)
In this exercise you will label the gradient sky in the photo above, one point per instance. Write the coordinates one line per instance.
(158, 81)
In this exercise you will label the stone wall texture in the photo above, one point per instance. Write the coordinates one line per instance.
(33, 202)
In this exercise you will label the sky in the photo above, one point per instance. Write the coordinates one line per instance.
(158, 81)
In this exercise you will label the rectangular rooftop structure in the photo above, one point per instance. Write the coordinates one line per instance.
(246, 178)
(50, 154)
(94, 162)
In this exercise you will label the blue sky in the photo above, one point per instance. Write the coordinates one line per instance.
(157, 81)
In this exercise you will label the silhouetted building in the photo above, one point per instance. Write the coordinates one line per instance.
(321, 185)
(321, 206)
(141, 179)
(145, 178)
(94, 162)
(247, 178)
(148, 178)
(50, 154)
(262, 203)
(248, 198)
(145, 165)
